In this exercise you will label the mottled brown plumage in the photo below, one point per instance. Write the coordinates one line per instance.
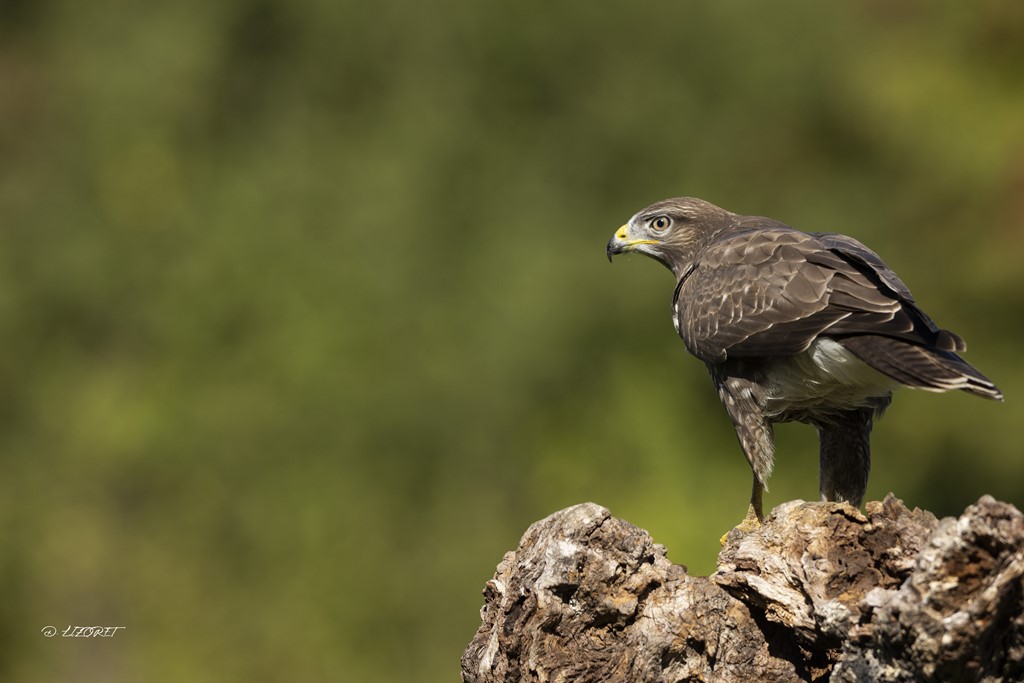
(811, 327)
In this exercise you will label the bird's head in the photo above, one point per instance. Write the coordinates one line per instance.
(671, 231)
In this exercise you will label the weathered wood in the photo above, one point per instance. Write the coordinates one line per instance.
(820, 592)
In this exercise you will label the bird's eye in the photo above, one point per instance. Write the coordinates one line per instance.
(661, 223)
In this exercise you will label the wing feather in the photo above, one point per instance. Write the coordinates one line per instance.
(770, 290)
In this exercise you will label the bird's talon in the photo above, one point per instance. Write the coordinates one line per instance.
(752, 522)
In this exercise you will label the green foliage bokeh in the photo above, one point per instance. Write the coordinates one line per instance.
(307, 317)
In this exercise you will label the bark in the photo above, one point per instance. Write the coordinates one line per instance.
(821, 592)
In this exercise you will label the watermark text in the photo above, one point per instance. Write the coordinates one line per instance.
(82, 631)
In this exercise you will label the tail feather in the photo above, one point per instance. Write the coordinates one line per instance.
(932, 369)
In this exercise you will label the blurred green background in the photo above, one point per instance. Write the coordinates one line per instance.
(307, 317)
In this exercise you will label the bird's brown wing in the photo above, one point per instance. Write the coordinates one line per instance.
(770, 290)
(869, 263)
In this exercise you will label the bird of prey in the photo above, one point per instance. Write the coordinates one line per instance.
(796, 326)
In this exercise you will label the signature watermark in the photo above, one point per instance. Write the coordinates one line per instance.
(82, 631)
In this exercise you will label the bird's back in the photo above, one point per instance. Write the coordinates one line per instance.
(763, 290)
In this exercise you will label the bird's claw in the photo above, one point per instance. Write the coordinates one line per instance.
(752, 522)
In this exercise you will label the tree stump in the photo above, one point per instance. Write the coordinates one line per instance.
(821, 592)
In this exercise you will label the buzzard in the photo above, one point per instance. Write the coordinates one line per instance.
(796, 326)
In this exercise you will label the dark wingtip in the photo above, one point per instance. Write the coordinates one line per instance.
(950, 341)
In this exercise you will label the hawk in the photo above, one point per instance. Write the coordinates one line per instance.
(796, 326)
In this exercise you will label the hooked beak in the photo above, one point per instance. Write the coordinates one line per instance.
(620, 242)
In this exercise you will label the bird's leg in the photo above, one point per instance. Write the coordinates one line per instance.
(741, 398)
(755, 513)
(845, 455)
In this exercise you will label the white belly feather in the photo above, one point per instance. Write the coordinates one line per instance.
(824, 377)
